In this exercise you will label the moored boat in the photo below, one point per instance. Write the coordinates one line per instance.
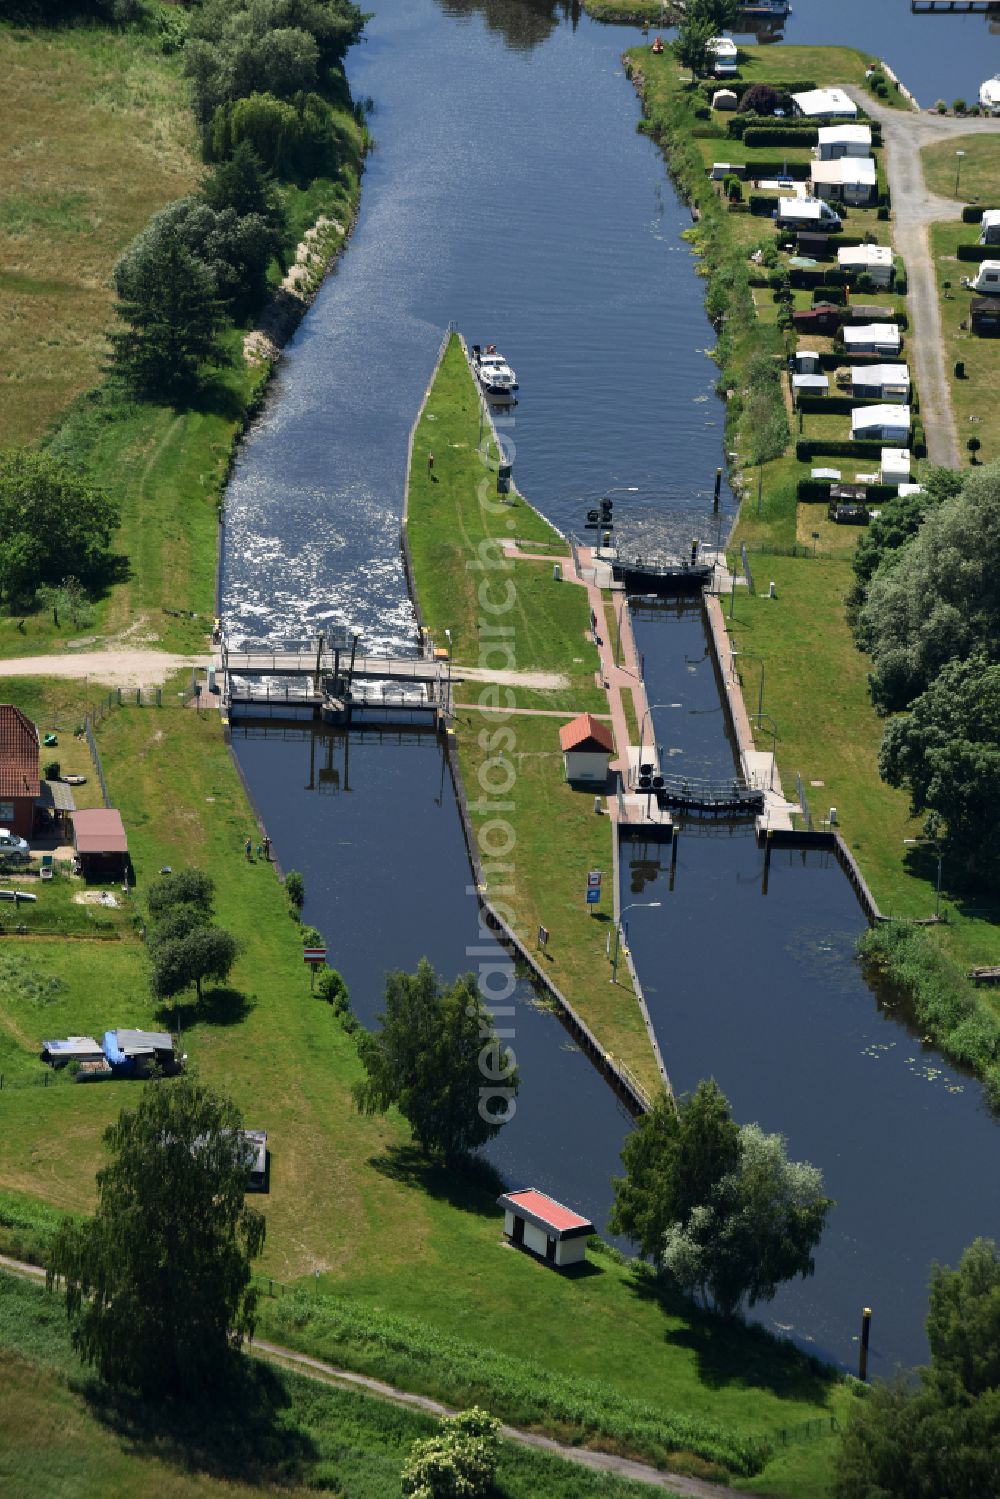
(493, 372)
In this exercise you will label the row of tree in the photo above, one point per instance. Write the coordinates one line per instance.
(263, 74)
(926, 607)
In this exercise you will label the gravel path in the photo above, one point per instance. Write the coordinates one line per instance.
(121, 668)
(905, 134)
(601, 1462)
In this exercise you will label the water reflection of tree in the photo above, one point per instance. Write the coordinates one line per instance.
(523, 24)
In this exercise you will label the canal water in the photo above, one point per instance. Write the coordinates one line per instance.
(510, 193)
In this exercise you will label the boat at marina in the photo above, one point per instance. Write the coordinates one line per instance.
(989, 94)
(494, 373)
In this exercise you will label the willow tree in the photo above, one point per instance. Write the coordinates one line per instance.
(158, 1283)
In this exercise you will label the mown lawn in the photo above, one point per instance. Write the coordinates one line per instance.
(95, 135)
(274, 1433)
(341, 1184)
(972, 396)
(979, 179)
(456, 521)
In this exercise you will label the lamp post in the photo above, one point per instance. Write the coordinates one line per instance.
(758, 717)
(958, 169)
(648, 905)
(650, 708)
(448, 638)
(919, 843)
(760, 661)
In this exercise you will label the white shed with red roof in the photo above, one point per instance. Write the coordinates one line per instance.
(535, 1221)
(587, 746)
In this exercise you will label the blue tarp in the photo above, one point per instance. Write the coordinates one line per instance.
(117, 1058)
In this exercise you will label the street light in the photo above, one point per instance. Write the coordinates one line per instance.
(648, 905)
(448, 638)
(760, 660)
(919, 843)
(958, 170)
(758, 717)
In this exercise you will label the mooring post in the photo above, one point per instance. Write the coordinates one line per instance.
(866, 1323)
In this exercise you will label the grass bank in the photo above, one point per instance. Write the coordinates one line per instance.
(456, 528)
(341, 1184)
(97, 136)
(816, 680)
(59, 1435)
(979, 179)
(972, 391)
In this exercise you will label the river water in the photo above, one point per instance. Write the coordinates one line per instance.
(510, 193)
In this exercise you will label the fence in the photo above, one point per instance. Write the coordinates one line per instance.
(803, 800)
(95, 756)
(746, 567)
(804, 1431)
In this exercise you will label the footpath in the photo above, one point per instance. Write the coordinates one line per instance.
(320, 1370)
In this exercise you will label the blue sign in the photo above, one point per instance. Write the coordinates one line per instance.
(594, 896)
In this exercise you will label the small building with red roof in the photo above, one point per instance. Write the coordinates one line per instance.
(20, 784)
(100, 843)
(587, 746)
(534, 1220)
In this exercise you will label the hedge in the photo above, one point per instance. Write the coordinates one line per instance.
(817, 492)
(808, 448)
(794, 171)
(739, 87)
(839, 405)
(772, 135)
(790, 133)
(972, 213)
(979, 252)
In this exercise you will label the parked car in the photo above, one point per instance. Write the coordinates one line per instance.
(12, 847)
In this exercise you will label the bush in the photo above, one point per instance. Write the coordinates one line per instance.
(900, 283)
(53, 770)
(295, 888)
(807, 448)
(959, 369)
(759, 99)
(779, 135)
(973, 446)
(976, 252)
(882, 213)
(941, 106)
(959, 106)
(459, 1463)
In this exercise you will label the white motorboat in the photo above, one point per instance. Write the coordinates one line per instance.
(989, 94)
(494, 373)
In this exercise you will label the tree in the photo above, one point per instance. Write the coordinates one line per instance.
(691, 45)
(243, 185)
(940, 599)
(168, 302)
(438, 1059)
(938, 1434)
(673, 1159)
(157, 1283)
(897, 521)
(759, 99)
(204, 953)
(946, 751)
(54, 525)
(757, 1227)
(188, 887)
(721, 15)
(460, 1462)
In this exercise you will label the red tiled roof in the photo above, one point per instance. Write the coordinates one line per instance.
(586, 733)
(18, 753)
(99, 831)
(542, 1208)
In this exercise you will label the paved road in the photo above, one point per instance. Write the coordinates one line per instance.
(905, 133)
(601, 1462)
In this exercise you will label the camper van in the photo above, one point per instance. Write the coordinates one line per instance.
(802, 213)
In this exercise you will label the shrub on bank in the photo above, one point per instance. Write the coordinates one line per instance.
(949, 1008)
(421, 1358)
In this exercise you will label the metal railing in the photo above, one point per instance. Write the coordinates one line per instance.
(95, 756)
(692, 791)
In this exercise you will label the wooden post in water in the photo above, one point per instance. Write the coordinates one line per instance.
(866, 1323)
